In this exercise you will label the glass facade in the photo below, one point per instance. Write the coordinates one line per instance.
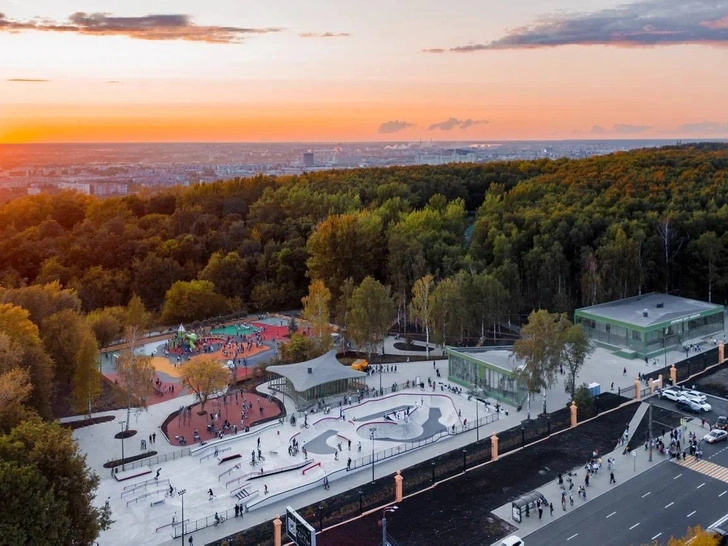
(499, 383)
(309, 396)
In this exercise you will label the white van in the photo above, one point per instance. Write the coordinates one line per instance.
(512, 540)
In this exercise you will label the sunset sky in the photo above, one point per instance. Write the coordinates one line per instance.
(347, 70)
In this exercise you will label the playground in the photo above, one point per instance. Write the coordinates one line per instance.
(263, 465)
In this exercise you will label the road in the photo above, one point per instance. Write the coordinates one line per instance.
(653, 506)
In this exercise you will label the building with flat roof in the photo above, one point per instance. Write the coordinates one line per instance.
(647, 325)
(493, 369)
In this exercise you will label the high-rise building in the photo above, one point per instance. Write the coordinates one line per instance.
(308, 159)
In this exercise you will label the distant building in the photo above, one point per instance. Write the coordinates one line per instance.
(648, 325)
(308, 159)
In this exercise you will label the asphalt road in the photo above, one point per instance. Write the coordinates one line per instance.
(719, 407)
(653, 506)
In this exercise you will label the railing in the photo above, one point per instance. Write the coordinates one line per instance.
(238, 489)
(237, 480)
(254, 475)
(132, 488)
(229, 471)
(215, 454)
(144, 496)
(149, 461)
(170, 525)
(201, 523)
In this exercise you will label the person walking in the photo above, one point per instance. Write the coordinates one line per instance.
(611, 477)
(540, 510)
(552, 509)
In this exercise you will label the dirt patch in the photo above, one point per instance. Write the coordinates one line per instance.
(400, 346)
(73, 425)
(125, 434)
(715, 383)
(112, 397)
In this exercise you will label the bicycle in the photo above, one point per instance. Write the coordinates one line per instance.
(219, 520)
(169, 494)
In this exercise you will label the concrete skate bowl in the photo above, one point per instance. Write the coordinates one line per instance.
(392, 430)
(318, 437)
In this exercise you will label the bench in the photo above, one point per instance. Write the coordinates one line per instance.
(156, 502)
(130, 474)
(229, 458)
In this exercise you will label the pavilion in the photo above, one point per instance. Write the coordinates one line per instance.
(307, 382)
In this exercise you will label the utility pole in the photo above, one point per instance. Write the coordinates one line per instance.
(649, 430)
(182, 494)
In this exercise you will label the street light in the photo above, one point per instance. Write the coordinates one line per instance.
(181, 493)
(361, 502)
(372, 430)
(384, 523)
(121, 424)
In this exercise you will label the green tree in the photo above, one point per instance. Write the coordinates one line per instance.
(421, 307)
(42, 301)
(193, 300)
(540, 349)
(576, 348)
(446, 307)
(228, 272)
(711, 249)
(106, 327)
(205, 377)
(135, 372)
(45, 456)
(371, 312)
(316, 311)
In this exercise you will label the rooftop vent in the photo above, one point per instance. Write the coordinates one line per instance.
(660, 305)
(310, 370)
(645, 313)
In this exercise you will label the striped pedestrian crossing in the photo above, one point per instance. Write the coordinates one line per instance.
(707, 468)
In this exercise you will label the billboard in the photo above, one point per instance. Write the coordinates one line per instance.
(298, 529)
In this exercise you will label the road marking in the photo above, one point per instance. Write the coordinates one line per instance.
(635, 525)
(676, 477)
(723, 493)
(657, 535)
(701, 485)
(610, 515)
(643, 496)
(572, 536)
(668, 506)
(691, 513)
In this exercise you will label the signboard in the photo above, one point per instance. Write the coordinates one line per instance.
(298, 529)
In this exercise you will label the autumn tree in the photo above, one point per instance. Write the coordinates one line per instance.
(421, 306)
(540, 348)
(316, 311)
(205, 377)
(576, 348)
(371, 312)
(135, 371)
(193, 300)
(711, 249)
(15, 389)
(105, 326)
(696, 536)
(446, 309)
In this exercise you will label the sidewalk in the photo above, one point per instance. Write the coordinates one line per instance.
(627, 466)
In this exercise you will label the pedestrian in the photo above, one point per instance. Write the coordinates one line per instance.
(586, 479)
(540, 511)
(563, 501)
(158, 471)
(612, 385)
(611, 477)
(150, 439)
(552, 509)
(624, 371)
(190, 541)
(702, 423)
(571, 499)
(154, 438)
(209, 492)
(349, 445)
(237, 510)
(348, 464)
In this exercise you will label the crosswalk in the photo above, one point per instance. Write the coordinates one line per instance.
(707, 468)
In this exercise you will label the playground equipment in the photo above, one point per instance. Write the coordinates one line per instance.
(183, 341)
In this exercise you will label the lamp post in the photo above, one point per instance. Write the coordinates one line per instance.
(321, 518)
(361, 502)
(477, 418)
(372, 430)
(465, 453)
(181, 493)
(434, 464)
(121, 424)
(384, 523)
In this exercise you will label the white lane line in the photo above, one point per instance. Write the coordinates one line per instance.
(643, 496)
(635, 525)
(657, 535)
(668, 505)
(572, 536)
(701, 485)
(676, 477)
(610, 515)
(723, 493)
(691, 513)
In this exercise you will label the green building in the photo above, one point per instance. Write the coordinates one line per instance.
(648, 325)
(491, 369)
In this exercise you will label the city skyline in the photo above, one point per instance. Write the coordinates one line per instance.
(161, 71)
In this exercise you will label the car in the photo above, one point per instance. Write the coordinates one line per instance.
(704, 406)
(721, 423)
(692, 394)
(512, 540)
(687, 405)
(715, 435)
(670, 394)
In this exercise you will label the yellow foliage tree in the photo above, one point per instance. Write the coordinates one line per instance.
(316, 311)
(695, 536)
(205, 377)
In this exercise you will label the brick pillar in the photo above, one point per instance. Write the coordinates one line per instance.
(721, 352)
(660, 384)
(573, 414)
(277, 524)
(398, 487)
(637, 390)
(652, 386)
(673, 375)
(494, 447)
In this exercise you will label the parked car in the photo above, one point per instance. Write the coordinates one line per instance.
(715, 435)
(670, 394)
(721, 423)
(692, 394)
(704, 406)
(687, 405)
(512, 540)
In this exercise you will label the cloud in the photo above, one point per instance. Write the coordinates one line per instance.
(394, 126)
(452, 123)
(434, 50)
(640, 24)
(626, 129)
(324, 34)
(704, 127)
(147, 27)
(27, 80)
(597, 130)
